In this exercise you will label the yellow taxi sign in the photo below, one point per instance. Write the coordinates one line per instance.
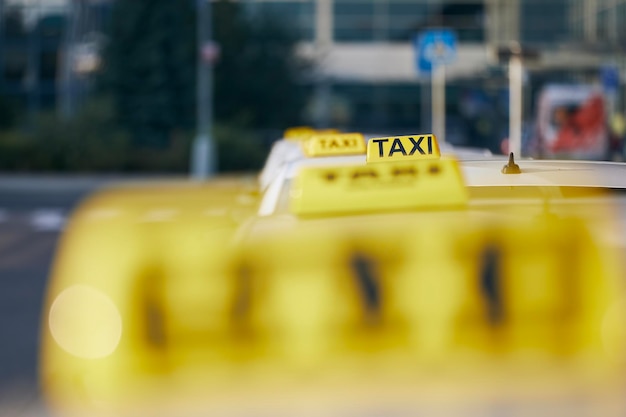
(330, 131)
(497, 287)
(304, 132)
(298, 132)
(393, 186)
(403, 148)
(445, 294)
(334, 144)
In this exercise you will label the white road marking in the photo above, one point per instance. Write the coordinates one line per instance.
(48, 220)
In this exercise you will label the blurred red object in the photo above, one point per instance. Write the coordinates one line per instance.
(581, 128)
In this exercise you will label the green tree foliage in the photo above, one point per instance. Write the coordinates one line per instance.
(9, 110)
(91, 141)
(151, 64)
(258, 76)
(150, 68)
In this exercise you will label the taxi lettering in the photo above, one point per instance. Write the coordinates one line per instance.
(398, 147)
(385, 175)
(403, 147)
(394, 185)
(365, 174)
(334, 144)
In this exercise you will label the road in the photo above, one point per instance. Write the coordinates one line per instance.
(33, 211)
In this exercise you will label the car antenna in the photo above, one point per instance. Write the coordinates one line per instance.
(511, 167)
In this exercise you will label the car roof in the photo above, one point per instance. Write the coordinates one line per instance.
(285, 151)
(487, 172)
(546, 173)
(476, 173)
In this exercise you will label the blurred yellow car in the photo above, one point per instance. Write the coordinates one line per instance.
(351, 277)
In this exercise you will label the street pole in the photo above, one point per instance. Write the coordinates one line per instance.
(203, 154)
(425, 116)
(438, 112)
(323, 45)
(516, 56)
(34, 52)
(515, 104)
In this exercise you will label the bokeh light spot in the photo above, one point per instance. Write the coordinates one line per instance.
(85, 322)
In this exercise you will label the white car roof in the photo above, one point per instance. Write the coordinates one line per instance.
(465, 153)
(285, 172)
(285, 151)
(282, 152)
(478, 173)
(487, 173)
(546, 173)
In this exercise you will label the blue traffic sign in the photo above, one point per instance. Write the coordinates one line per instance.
(609, 75)
(434, 47)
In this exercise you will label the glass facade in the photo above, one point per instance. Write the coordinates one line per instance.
(400, 20)
(542, 24)
(380, 20)
(374, 106)
(34, 32)
(549, 22)
(620, 15)
(299, 16)
(33, 36)
(30, 36)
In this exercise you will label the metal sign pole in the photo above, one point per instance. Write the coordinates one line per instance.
(436, 48)
(515, 104)
(426, 113)
(203, 160)
(514, 54)
(438, 102)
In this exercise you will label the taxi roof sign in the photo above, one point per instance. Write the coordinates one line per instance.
(385, 187)
(334, 144)
(403, 148)
(305, 132)
(298, 132)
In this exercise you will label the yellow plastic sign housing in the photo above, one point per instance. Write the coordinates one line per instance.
(334, 144)
(165, 301)
(304, 132)
(393, 186)
(403, 148)
(298, 132)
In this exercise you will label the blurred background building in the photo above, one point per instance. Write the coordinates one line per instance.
(366, 75)
(48, 50)
(32, 35)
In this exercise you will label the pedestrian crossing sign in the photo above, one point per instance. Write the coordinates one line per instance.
(435, 47)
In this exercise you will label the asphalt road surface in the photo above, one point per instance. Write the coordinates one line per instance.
(33, 211)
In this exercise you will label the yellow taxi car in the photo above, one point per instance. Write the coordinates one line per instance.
(352, 277)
